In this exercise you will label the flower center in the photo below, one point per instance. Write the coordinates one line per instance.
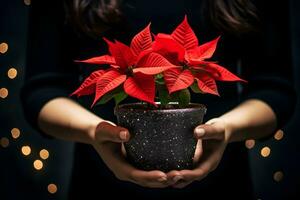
(185, 65)
(129, 71)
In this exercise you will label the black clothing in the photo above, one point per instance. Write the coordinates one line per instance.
(262, 58)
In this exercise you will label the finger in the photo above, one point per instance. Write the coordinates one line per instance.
(123, 150)
(174, 176)
(198, 152)
(208, 163)
(190, 176)
(214, 120)
(206, 131)
(126, 172)
(107, 132)
(155, 178)
(195, 174)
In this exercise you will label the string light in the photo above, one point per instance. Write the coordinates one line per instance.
(278, 135)
(265, 152)
(278, 176)
(38, 164)
(15, 133)
(52, 188)
(12, 73)
(27, 2)
(3, 47)
(249, 144)
(4, 142)
(44, 154)
(3, 93)
(26, 150)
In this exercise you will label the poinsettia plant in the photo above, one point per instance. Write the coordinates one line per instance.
(156, 68)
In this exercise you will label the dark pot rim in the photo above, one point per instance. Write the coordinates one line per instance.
(139, 107)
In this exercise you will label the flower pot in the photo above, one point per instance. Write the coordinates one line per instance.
(160, 138)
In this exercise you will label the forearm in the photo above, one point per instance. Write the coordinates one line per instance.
(252, 119)
(65, 119)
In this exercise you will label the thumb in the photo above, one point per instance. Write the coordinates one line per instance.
(210, 130)
(107, 132)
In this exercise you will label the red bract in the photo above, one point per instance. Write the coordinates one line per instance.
(182, 48)
(135, 66)
(178, 57)
(89, 84)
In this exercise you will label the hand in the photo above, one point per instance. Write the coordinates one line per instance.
(214, 135)
(108, 143)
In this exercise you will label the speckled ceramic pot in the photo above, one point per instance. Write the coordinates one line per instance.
(160, 138)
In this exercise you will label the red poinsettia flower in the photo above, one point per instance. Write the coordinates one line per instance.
(182, 48)
(132, 66)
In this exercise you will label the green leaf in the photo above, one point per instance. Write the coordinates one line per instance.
(195, 88)
(120, 97)
(184, 98)
(107, 97)
(159, 79)
(159, 76)
(163, 95)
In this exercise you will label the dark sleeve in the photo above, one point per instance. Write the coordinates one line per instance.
(267, 62)
(49, 71)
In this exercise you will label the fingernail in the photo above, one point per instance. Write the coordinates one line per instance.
(199, 132)
(123, 135)
(177, 178)
(162, 179)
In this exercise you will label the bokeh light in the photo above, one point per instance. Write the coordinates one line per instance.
(12, 73)
(52, 188)
(44, 154)
(27, 2)
(4, 142)
(38, 164)
(3, 47)
(249, 144)
(278, 176)
(26, 150)
(3, 93)
(278, 135)
(15, 133)
(265, 152)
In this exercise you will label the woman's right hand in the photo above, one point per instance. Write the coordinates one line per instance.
(108, 143)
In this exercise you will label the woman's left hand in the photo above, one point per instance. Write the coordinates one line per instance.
(214, 135)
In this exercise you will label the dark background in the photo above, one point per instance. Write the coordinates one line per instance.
(275, 176)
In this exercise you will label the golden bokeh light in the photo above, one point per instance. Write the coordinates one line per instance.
(12, 73)
(26, 150)
(27, 2)
(15, 133)
(44, 154)
(52, 188)
(249, 144)
(38, 164)
(278, 135)
(265, 152)
(3, 47)
(3, 93)
(4, 142)
(278, 176)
